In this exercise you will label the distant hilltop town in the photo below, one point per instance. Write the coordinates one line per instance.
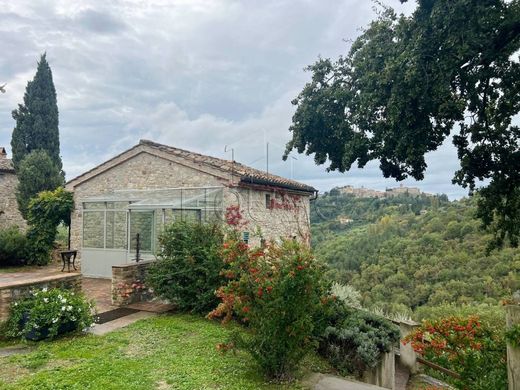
(388, 193)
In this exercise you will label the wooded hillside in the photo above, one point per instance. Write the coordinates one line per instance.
(411, 251)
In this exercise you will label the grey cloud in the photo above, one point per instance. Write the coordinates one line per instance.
(194, 74)
(99, 22)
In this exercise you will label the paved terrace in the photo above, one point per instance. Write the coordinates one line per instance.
(95, 289)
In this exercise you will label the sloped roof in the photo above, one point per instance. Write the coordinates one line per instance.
(247, 174)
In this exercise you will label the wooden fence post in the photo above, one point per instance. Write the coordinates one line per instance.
(513, 353)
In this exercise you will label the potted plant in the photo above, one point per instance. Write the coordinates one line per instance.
(47, 313)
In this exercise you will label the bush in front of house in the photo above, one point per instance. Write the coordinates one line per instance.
(46, 313)
(474, 349)
(13, 247)
(354, 340)
(187, 270)
(46, 211)
(276, 292)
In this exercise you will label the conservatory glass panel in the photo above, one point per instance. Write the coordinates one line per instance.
(94, 205)
(93, 229)
(142, 223)
(116, 230)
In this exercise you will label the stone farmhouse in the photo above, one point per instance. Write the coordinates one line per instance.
(122, 204)
(9, 214)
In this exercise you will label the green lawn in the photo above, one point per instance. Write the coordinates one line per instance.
(166, 352)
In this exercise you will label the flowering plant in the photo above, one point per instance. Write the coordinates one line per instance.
(463, 344)
(125, 290)
(47, 312)
(276, 291)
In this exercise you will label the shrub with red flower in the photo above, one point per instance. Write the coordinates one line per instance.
(276, 291)
(466, 346)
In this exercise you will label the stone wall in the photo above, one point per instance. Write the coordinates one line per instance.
(271, 213)
(128, 283)
(289, 216)
(383, 374)
(9, 214)
(16, 290)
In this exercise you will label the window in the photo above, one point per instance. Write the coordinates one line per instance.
(268, 204)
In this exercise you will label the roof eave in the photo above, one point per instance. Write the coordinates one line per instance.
(247, 180)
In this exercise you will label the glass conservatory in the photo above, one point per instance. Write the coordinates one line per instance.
(120, 226)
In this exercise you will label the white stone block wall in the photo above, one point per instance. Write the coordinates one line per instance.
(289, 218)
(9, 214)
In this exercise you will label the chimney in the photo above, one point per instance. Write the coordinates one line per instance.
(3, 153)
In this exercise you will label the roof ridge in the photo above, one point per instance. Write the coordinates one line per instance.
(248, 175)
(253, 172)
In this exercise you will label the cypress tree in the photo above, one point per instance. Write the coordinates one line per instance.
(37, 118)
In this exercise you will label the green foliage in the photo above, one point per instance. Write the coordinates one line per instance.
(436, 257)
(276, 291)
(354, 340)
(46, 212)
(407, 83)
(513, 335)
(37, 119)
(44, 312)
(36, 173)
(328, 209)
(464, 345)
(187, 271)
(13, 247)
(491, 316)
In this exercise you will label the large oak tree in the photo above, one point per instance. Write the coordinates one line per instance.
(408, 83)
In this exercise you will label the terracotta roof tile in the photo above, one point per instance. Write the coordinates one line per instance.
(248, 175)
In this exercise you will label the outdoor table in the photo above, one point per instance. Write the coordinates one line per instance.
(68, 257)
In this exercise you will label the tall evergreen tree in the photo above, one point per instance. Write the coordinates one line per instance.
(37, 118)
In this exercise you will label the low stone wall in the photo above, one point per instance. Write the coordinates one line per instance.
(383, 374)
(128, 283)
(407, 356)
(19, 289)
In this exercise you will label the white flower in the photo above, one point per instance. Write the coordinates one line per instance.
(73, 318)
(45, 300)
(16, 303)
(54, 320)
(92, 325)
(63, 308)
(59, 296)
(69, 308)
(44, 289)
(36, 326)
(63, 300)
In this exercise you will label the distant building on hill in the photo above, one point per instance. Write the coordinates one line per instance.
(388, 193)
(402, 190)
(361, 192)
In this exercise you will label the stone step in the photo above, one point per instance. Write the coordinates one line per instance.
(110, 326)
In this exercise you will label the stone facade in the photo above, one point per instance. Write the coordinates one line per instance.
(9, 214)
(16, 290)
(269, 211)
(128, 283)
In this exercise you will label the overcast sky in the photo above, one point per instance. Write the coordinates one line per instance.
(196, 74)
